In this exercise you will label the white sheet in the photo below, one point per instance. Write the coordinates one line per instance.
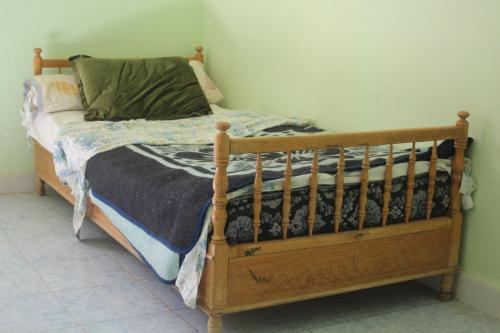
(44, 126)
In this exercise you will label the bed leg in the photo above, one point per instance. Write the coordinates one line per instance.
(447, 284)
(214, 323)
(39, 186)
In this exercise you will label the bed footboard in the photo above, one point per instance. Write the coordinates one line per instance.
(252, 275)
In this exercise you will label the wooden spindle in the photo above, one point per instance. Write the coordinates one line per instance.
(432, 180)
(339, 191)
(363, 192)
(287, 196)
(387, 186)
(313, 193)
(410, 183)
(257, 198)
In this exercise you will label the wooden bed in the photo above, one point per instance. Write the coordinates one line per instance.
(265, 273)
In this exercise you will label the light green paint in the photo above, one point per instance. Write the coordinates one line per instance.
(359, 65)
(95, 27)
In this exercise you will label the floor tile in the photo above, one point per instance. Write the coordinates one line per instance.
(72, 329)
(326, 311)
(394, 297)
(44, 249)
(18, 280)
(21, 229)
(59, 203)
(130, 263)
(120, 300)
(9, 254)
(271, 319)
(164, 322)
(26, 206)
(375, 324)
(447, 317)
(33, 313)
(197, 318)
(263, 320)
(89, 230)
(168, 294)
(67, 274)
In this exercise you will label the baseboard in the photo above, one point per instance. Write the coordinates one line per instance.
(17, 183)
(472, 291)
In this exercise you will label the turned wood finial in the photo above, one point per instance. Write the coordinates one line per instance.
(223, 126)
(464, 125)
(199, 54)
(37, 61)
(463, 115)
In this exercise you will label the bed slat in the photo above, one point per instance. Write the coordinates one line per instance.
(432, 180)
(339, 190)
(363, 192)
(387, 186)
(410, 183)
(257, 198)
(287, 196)
(313, 193)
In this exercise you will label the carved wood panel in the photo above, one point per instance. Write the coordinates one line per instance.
(277, 276)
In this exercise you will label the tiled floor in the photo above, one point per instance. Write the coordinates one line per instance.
(51, 282)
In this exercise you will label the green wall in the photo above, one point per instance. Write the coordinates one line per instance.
(358, 65)
(94, 27)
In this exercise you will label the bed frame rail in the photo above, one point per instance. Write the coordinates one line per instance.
(40, 63)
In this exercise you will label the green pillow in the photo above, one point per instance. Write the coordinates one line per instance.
(153, 89)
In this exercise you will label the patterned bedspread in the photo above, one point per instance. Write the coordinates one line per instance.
(166, 189)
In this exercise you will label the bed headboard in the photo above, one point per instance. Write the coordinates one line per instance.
(39, 63)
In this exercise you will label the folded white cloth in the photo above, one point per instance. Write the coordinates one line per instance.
(211, 91)
(468, 186)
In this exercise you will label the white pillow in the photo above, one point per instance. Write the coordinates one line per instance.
(52, 93)
(212, 93)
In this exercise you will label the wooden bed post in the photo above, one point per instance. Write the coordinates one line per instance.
(199, 54)
(37, 61)
(217, 253)
(447, 280)
(37, 70)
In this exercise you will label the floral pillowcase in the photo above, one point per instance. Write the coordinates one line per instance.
(52, 93)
